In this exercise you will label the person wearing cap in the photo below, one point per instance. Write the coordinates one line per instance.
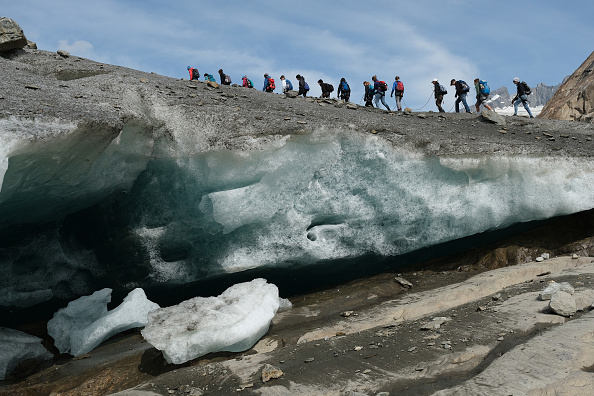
(461, 92)
(267, 84)
(439, 91)
(194, 74)
(521, 96)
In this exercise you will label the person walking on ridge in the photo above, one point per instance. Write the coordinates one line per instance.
(398, 88)
(439, 91)
(194, 74)
(521, 96)
(380, 88)
(344, 91)
(268, 83)
(225, 79)
(369, 93)
(482, 94)
(303, 86)
(462, 90)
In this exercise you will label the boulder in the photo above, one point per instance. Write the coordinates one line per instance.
(11, 35)
(563, 304)
(493, 117)
(270, 372)
(291, 94)
(553, 288)
(574, 100)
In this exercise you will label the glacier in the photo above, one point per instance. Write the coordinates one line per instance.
(298, 200)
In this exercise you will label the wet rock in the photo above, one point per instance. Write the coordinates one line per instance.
(270, 372)
(403, 282)
(553, 288)
(11, 35)
(563, 304)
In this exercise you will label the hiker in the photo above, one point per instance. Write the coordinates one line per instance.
(521, 96)
(194, 74)
(225, 79)
(344, 91)
(482, 94)
(268, 83)
(380, 88)
(326, 88)
(303, 86)
(461, 91)
(439, 91)
(246, 82)
(369, 93)
(209, 77)
(287, 86)
(398, 88)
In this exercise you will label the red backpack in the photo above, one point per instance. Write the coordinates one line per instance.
(271, 85)
(400, 86)
(383, 86)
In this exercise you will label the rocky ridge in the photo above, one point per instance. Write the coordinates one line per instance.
(574, 100)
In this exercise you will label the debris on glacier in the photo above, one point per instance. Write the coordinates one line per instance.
(553, 288)
(85, 323)
(233, 322)
(16, 346)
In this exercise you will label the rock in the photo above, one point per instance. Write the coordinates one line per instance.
(539, 259)
(346, 314)
(291, 94)
(496, 297)
(63, 54)
(563, 304)
(212, 84)
(493, 117)
(403, 282)
(435, 323)
(574, 256)
(545, 256)
(270, 372)
(423, 116)
(574, 100)
(309, 360)
(352, 106)
(553, 288)
(11, 35)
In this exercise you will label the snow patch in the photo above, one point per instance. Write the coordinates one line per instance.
(16, 346)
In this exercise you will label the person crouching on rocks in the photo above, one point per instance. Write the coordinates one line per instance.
(303, 86)
(225, 79)
(326, 88)
(246, 82)
(287, 86)
(209, 77)
(194, 74)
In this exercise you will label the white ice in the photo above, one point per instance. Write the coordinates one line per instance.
(16, 346)
(85, 323)
(233, 321)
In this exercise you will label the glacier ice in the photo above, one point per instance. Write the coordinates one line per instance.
(190, 215)
(16, 346)
(233, 321)
(85, 323)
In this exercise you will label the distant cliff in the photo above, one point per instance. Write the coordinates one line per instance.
(574, 100)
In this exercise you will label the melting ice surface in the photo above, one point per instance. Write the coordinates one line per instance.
(304, 199)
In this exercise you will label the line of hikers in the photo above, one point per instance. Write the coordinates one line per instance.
(377, 91)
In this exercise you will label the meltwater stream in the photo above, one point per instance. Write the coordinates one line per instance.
(330, 198)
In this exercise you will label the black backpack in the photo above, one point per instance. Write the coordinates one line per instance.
(527, 89)
(465, 87)
(442, 90)
(330, 88)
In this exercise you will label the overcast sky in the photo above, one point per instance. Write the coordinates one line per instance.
(536, 40)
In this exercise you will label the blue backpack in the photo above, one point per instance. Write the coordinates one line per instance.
(465, 87)
(306, 86)
(483, 87)
(344, 86)
(289, 85)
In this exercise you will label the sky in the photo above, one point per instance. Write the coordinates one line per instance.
(540, 41)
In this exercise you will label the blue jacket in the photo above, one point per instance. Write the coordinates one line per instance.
(265, 83)
(394, 89)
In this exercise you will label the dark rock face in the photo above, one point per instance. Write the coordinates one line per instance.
(575, 98)
(11, 35)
